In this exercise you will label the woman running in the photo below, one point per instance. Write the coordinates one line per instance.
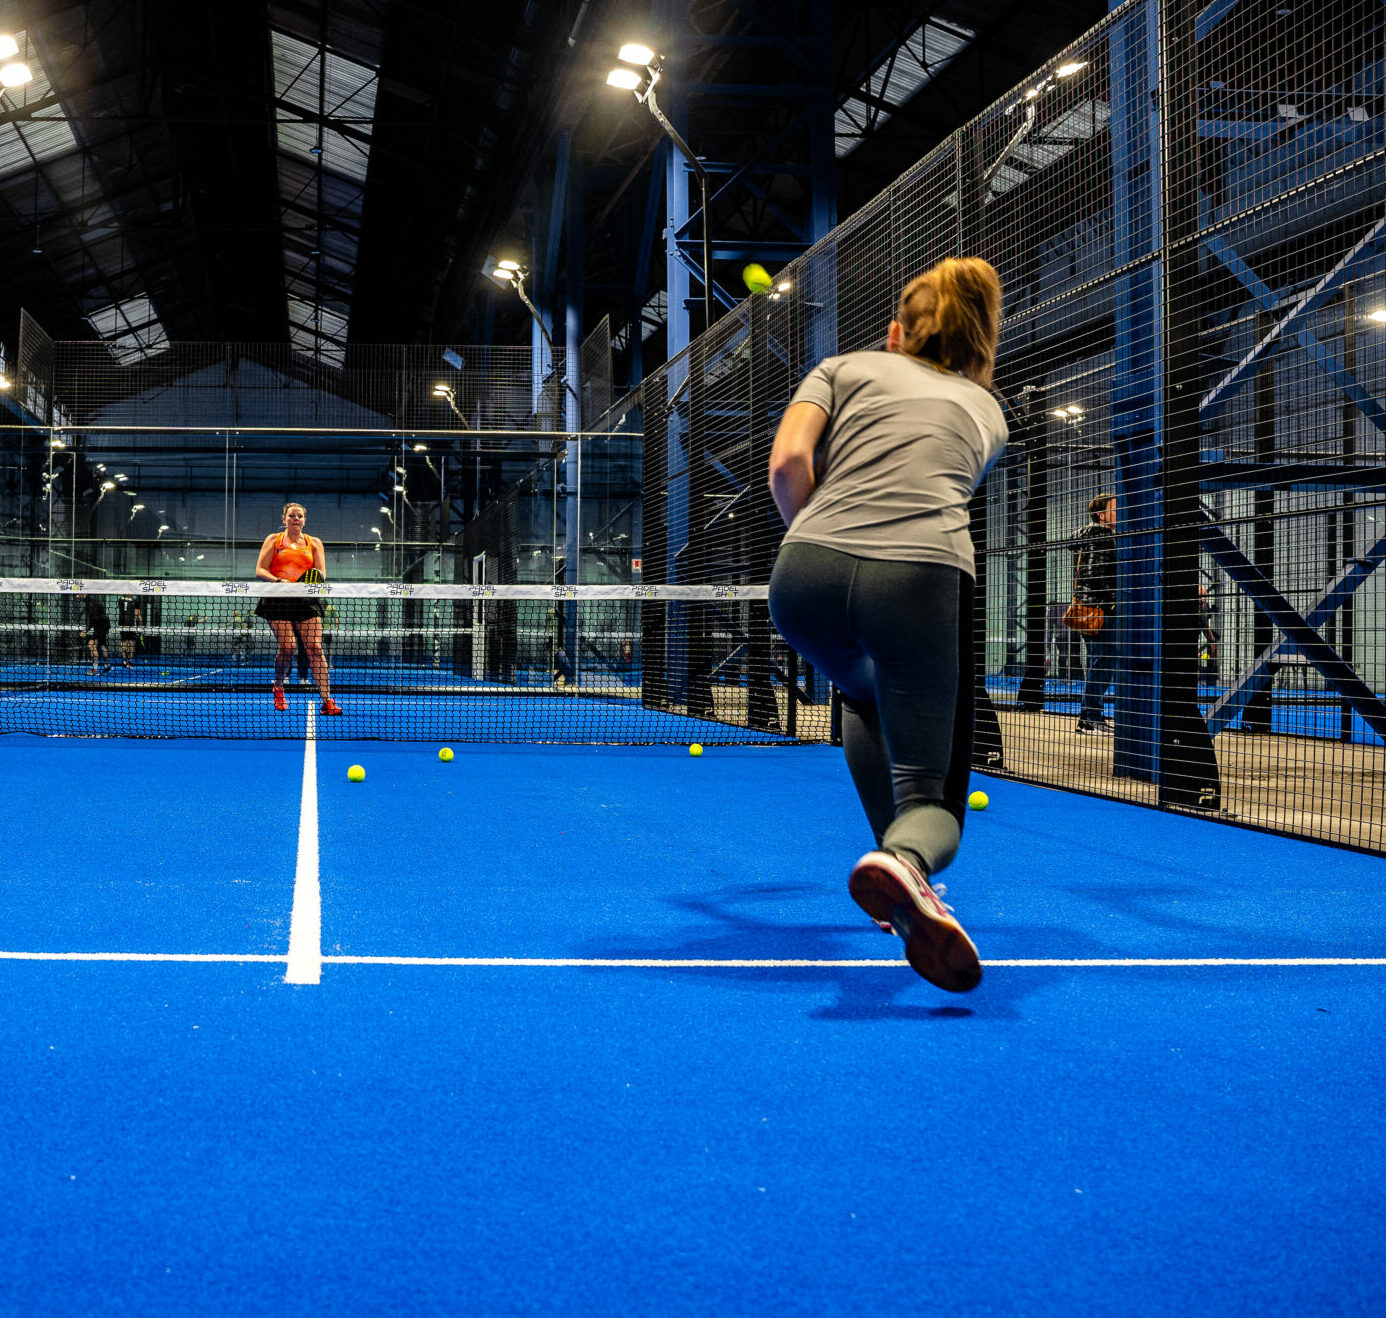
(285, 556)
(873, 467)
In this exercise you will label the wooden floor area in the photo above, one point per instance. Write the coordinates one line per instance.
(1328, 791)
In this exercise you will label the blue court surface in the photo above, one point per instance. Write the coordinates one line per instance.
(586, 1030)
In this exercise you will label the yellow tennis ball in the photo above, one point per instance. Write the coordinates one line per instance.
(978, 800)
(356, 773)
(696, 748)
(756, 277)
(445, 754)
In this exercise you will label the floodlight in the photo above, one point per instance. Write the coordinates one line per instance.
(633, 52)
(626, 80)
(9, 47)
(15, 75)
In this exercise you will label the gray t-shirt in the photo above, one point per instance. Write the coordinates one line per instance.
(905, 448)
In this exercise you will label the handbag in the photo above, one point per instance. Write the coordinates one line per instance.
(1085, 619)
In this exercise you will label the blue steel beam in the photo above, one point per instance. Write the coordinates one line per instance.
(1209, 18)
(1325, 358)
(1297, 631)
(1255, 680)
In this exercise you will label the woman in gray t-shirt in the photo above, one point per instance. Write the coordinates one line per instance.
(873, 467)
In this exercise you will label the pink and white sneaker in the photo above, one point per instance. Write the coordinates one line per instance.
(897, 896)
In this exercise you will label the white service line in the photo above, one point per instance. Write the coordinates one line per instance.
(658, 963)
(305, 924)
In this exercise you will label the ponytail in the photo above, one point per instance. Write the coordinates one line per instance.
(952, 315)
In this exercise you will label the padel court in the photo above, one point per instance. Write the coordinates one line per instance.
(597, 1030)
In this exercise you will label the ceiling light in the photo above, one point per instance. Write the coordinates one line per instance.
(16, 75)
(633, 52)
(9, 47)
(626, 80)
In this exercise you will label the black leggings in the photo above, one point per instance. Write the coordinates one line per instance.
(896, 639)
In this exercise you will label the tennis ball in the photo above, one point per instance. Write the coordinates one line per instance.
(756, 277)
(696, 748)
(356, 773)
(445, 754)
(978, 801)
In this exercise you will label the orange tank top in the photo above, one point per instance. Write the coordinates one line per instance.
(291, 561)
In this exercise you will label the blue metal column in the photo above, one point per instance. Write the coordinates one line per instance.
(1137, 385)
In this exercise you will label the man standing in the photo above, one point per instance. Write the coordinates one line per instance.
(1094, 584)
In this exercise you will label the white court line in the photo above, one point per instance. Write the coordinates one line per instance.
(659, 963)
(305, 923)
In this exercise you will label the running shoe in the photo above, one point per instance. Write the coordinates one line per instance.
(891, 891)
(279, 701)
(330, 706)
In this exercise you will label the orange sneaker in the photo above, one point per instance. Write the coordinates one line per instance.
(892, 892)
(330, 706)
(279, 701)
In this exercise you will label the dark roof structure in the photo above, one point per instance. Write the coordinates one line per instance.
(337, 172)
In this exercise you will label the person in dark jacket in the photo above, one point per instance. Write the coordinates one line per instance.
(1094, 584)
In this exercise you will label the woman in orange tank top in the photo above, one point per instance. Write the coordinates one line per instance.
(285, 556)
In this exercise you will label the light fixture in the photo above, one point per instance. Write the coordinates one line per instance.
(100, 466)
(62, 443)
(9, 47)
(162, 529)
(384, 510)
(441, 391)
(16, 75)
(420, 448)
(137, 508)
(644, 89)
(399, 489)
(4, 381)
(108, 485)
(121, 476)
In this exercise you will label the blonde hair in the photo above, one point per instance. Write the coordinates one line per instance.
(952, 315)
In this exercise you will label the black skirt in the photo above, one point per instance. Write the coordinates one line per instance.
(288, 610)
